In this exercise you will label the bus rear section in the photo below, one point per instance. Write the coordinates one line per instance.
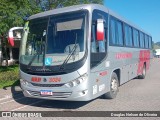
(10, 54)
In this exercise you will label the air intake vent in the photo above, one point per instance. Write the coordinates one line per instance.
(47, 85)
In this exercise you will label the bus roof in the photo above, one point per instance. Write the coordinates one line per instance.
(89, 7)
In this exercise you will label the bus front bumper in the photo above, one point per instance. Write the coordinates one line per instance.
(61, 94)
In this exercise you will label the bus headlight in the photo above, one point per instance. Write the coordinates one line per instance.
(77, 81)
(24, 82)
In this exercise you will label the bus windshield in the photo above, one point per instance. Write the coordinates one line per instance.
(54, 40)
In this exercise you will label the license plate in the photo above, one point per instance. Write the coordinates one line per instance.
(46, 92)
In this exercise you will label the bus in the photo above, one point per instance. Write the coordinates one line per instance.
(12, 49)
(81, 52)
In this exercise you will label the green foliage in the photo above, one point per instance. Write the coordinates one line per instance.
(93, 1)
(12, 13)
(9, 73)
(156, 47)
(51, 4)
(9, 83)
(157, 43)
(9, 76)
(75, 2)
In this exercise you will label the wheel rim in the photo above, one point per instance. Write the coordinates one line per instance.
(114, 85)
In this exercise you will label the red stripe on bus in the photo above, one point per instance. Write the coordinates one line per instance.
(144, 57)
(11, 41)
(123, 55)
(104, 73)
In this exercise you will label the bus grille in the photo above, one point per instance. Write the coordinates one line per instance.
(47, 85)
(55, 94)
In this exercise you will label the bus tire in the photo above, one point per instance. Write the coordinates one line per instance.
(114, 84)
(143, 73)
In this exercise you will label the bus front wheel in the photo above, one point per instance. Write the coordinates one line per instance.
(114, 84)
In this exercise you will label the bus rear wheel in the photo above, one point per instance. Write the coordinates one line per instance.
(114, 84)
(143, 72)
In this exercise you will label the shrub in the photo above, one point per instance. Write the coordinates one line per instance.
(9, 75)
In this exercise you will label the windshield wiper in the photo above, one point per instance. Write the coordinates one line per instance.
(33, 58)
(69, 56)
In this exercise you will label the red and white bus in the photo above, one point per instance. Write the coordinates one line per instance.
(14, 38)
(81, 52)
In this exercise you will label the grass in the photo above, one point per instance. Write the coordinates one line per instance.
(9, 83)
(9, 68)
(9, 76)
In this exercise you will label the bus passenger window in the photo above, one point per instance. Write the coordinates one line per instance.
(136, 38)
(146, 41)
(116, 32)
(128, 36)
(113, 32)
(119, 33)
(93, 40)
(141, 40)
(150, 42)
(101, 45)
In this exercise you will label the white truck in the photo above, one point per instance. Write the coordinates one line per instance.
(157, 54)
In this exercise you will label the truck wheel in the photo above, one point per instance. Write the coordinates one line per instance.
(114, 84)
(143, 72)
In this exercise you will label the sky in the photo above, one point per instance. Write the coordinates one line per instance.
(143, 13)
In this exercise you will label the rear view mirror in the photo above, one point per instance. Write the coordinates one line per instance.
(100, 30)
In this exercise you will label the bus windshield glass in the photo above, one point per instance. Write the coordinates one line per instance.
(54, 40)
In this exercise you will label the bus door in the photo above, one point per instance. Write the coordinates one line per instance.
(98, 52)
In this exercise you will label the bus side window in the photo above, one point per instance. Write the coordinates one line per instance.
(135, 37)
(146, 41)
(141, 40)
(93, 40)
(150, 42)
(116, 32)
(128, 36)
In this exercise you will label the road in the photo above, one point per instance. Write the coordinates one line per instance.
(135, 95)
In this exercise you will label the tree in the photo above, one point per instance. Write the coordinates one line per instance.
(51, 4)
(0, 52)
(12, 13)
